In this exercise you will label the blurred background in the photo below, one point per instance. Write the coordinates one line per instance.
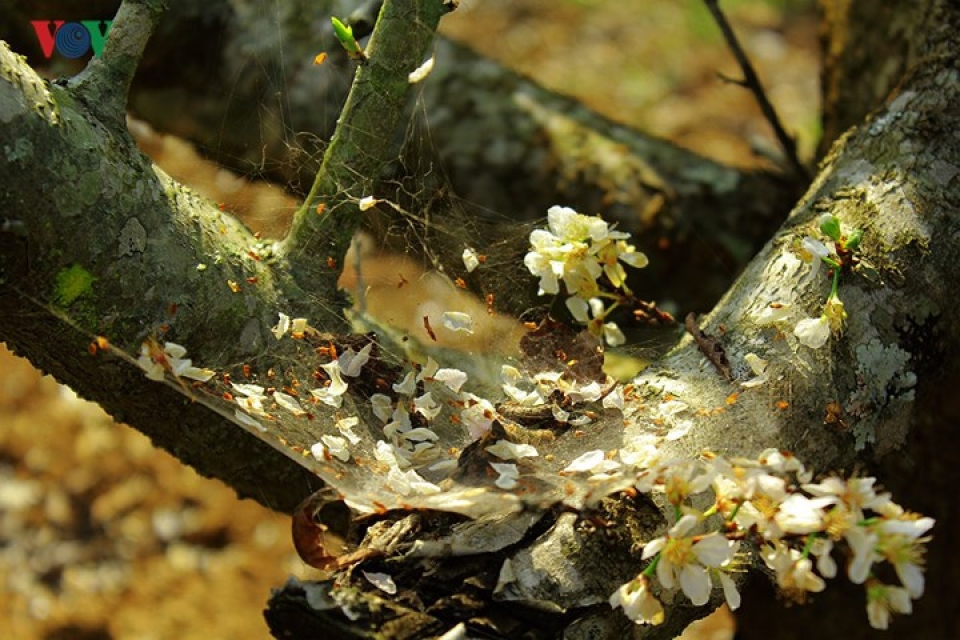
(104, 537)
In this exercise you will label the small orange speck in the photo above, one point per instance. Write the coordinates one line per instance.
(233, 286)
(331, 263)
(489, 298)
(321, 208)
(253, 280)
(732, 398)
(320, 58)
(460, 282)
(254, 255)
(782, 405)
(482, 259)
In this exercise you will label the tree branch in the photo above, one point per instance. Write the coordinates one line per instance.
(106, 81)
(363, 142)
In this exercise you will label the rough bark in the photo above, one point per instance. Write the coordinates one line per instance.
(505, 144)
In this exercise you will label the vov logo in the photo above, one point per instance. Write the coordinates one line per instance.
(71, 39)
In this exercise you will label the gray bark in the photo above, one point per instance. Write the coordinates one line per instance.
(237, 77)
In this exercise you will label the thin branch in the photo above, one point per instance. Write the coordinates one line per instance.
(105, 83)
(363, 142)
(752, 81)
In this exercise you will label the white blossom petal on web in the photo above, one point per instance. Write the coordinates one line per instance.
(346, 425)
(453, 378)
(185, 369)
(382, 406)
(351, 362)
(421, 434)
(298, 326)
(407, 482)
(388, 454)
(471, 259)
(282, 326)
(478, 416)
(366, 203)
(428, 370)
(773, 313)
(614, 399)
(420, 73)
(426, 406)
(247, 420)
(337, 447)
(586, 462)
(333, 393)
(759, 367)
(248, 389)
(507, 474)
(381, 581)
(289, 403)
(457, 321)
(506, 450)
(407, 386)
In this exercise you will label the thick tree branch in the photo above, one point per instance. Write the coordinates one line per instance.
(104, 84)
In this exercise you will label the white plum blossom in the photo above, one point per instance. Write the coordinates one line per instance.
(686, 563)
(799, 514)
(883, 600)
(794, 572)
(637, 602)
(577, 250)
(813, 332)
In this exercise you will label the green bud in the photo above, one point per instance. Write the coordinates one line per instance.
(853, 240)
(830, 226)
(344, 34)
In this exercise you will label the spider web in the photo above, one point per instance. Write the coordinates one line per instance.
(407, 272)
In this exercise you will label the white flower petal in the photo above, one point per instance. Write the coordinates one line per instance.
(457, 321)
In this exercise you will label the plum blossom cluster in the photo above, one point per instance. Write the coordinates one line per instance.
(577, 250)
(836, 254)
(803, 531)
